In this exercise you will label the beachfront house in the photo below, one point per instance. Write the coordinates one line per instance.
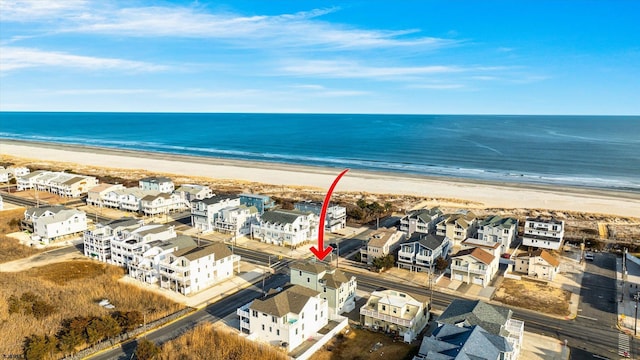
(236, 220)
(491, 247)
(97, 195)
(545, 233)
(285, 318)
(422, 221)
(335, 219)
(496, 320)
(205, 212)
(539, 264)
(395, 312)
(50, 223)
(457, 226)
(97, 242)
(145, 265)
(5, 174)
(59, 183)
(12, 172)
(192, 192)
(464, 342)
(156, 183)
(261, 202)
(333, 285)
(474, 266)
(498, 229)
(420, 252)
(193, 269)
(130, 243)
(286, 228)
(381, 243)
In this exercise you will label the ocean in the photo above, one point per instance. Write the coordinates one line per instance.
(591, 151)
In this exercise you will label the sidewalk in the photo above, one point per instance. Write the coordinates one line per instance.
(627, 287)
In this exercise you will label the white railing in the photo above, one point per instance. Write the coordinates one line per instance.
(388, 318)
(467, 269)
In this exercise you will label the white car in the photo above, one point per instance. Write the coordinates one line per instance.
(588, 256)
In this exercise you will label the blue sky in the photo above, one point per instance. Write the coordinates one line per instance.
(405, 57)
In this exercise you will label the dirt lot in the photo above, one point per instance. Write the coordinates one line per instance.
(533, 295)
(360, 344)
(10, 248)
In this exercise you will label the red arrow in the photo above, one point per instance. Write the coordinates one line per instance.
(321, 252)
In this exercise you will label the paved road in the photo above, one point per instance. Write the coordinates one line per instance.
(211, 313)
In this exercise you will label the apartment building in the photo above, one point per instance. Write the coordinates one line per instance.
(457, 226)
(335, 219)
(545, 233)
(381, 243)
(50, 223)
(422, 221)
(97, 195)
(261, 202)
(58, 183)
(97, 242)
(206, 212)
(124, 248)
(156, 183)
(145, 264)
(332, 284)
(286, 227)
(420, 252)
(236, 220)
(500, 230)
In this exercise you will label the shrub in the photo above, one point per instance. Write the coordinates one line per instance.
(147, 350)
(37, 347)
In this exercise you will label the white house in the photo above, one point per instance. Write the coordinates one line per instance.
(145, 264)
(193, 269)
(18, 171)
(395, 312)
(474, 266)
(205, 212)
(335, 219)
(158, 203)
(97, 242)
(51, 223)
(423, 221)
(236, 220)
(286, 318)
(491, 247)
(539, 264)
(28, 181)
(59, 183)
(420, 252)
(125, 247)
(156, 183)
(286, 227)
(543, 233)
(5, 174)
(333, 285)
(382, 242)
(96, 195)
(498, 230)
(191, 192)
(457, 226)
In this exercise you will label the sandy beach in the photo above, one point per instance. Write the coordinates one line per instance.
(477, 194)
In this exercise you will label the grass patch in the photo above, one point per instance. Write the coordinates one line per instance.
(534, 295)
(10, 248)
(208, 342)
(359, 344)
(72, 289)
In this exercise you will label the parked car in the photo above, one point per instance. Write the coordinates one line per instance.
(506, 256)
(588, 256)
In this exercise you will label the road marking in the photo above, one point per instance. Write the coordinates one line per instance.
(623, 345)
(586, 317)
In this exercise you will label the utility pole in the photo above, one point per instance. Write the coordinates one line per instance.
(431, 282)
(636, 297)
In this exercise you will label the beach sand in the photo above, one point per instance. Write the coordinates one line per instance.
(472, 194)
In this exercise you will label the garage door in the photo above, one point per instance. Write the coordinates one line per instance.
(457, 277)
(478, 280)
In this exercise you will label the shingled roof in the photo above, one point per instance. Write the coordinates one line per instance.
(544, 255)
(220, 251)
(282, 216)
(475, 312)
(476, 253)
(290, 300)
(427, 240)
(463, 343)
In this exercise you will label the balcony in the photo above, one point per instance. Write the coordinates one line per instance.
(468, 270)
(387, 318)
(406, 256)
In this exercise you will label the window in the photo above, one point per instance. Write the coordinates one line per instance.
(300, 273)
(308, 280)
(384, 307)
(270, 330)
(278, 332)
(273, 319)
(262, 327)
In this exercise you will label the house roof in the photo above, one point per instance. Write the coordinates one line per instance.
(425, 214)
(290, 300)
(481, 243)
(332, 278)
(545, 220)
(37, 212)
(123, 222)
(179, 242)
(216, 199)
(61, 215)
(154, 196)
(282, 216)
(76, 179)
(102, 187)
(380, 237)
(545, 255)
(462, 217)
(498, 221)
(309, 266)
(427, 240)
(220, 251)
(155, 179)
(475, 312)
(151, 229)
(476, 253)
(463, 343)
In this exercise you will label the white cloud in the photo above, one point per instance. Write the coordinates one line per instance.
(352, 69)
(438, 86)
(14, 58)
(30, 10)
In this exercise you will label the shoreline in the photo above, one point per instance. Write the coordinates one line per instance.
(489, 194)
